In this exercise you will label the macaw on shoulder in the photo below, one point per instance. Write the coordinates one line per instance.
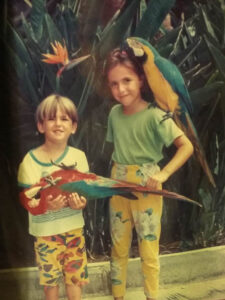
(89, 185)
(169, 90)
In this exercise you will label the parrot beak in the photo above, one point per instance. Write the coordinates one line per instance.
(134, 50)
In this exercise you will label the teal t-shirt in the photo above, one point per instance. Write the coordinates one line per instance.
(139, 138)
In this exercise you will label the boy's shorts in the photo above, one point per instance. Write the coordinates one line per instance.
(62, 256)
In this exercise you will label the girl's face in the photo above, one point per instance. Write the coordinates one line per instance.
(57, 129)
(125, 85)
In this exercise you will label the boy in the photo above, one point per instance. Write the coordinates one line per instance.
(59, 241)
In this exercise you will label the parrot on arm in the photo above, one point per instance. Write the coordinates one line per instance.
(169, 90)
(89, 185)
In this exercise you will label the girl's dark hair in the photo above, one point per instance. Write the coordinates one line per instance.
(118, 56)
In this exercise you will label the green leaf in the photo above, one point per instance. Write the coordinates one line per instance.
(37, 17)
(217, 55)
(117, 33)
(88, 88)
(153, 18)
(52, 32)
(61, 25)
(25, 78)
(169, 38)
(70, 30)
(31, 92)
(165, 51)
(223, 31)
(143, 8)
(49, 75)
(19, 47)
(204, 95)
(208, 25)
(92, 21)
(28, 29)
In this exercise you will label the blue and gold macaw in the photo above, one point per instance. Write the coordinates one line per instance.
(169, 90)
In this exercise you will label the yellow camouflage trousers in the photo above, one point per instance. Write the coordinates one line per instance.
(145, 215)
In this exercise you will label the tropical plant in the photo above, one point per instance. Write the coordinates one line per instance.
(196, 45)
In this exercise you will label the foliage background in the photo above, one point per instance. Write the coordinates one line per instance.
(196, 45)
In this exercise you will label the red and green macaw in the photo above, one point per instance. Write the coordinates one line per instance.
(169, 90)
(89, 185)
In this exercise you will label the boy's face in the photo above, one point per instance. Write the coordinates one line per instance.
(57, 129)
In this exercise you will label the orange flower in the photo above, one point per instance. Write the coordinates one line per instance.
(60, 55)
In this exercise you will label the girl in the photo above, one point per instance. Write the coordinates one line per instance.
(138, 132)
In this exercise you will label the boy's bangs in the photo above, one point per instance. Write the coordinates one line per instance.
(68, 109)
(48, 108)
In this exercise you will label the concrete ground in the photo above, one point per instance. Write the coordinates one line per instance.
(192, 275)
(213, 289)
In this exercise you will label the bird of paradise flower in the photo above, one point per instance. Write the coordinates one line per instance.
(61, 56)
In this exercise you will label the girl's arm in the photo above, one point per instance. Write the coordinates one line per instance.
(184, 151)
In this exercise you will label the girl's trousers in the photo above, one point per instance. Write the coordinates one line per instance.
(145, 215)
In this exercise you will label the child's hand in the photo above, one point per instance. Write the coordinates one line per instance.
(76, 202)
(155, 181)
(56, 203)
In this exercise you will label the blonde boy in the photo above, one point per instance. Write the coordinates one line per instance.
(59, 241)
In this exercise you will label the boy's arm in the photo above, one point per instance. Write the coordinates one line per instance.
(184, 151)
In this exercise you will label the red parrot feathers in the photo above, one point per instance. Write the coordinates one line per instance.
(88, 185)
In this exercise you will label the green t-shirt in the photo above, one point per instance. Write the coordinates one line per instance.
(140, 138)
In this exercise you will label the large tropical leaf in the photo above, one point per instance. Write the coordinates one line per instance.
(153, 18)
(202, 96)
(218, 57)
(117, 32)
(37, 14)
(19, 47)
(92, 22)
(52, 33)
